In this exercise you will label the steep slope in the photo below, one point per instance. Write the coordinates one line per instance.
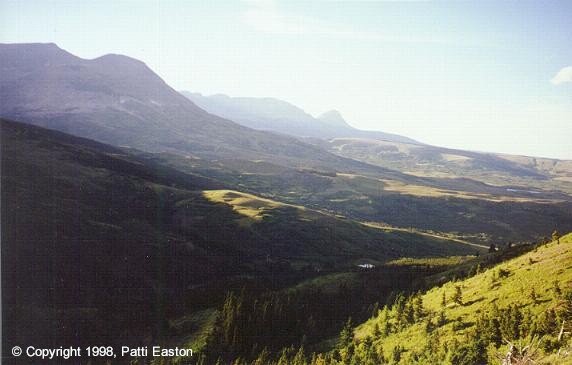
(119, 100)
(100, 244)
(333, 118)
(280, 116)
(513, 301)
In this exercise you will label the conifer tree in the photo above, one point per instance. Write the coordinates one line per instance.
(418, 310)
(458, 295)
(347, 334)
(556, 236)
(300, 357)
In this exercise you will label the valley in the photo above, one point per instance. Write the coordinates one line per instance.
(256, 233)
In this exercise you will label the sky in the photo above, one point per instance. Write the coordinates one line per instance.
(487, 76)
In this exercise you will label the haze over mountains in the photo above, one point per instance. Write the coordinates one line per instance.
(119, 100)
(280, 116)
(152, 207)
(330, 131)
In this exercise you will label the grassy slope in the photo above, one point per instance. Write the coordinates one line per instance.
(469, 210)
(80, 214)
(326, 236)
(431, 161)
(549, 263)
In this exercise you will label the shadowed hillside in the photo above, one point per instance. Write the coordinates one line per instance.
(515, 312)
(118, 100)
(100, 244)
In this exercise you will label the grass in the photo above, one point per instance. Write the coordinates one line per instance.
(384, 186)
(253, 207)
(430, 161)
(431, 261)
(537, 269)
(329, 283)
(194, 328)
(459, 207)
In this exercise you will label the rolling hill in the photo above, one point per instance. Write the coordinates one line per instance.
(538, 174)
(139, 240)
(105, 244)
(118, 100)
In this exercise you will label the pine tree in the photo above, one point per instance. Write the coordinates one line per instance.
(409, 312)
(442, 319)
(346, 335)
(300, 357)
(263, 358)
(458, 295)
(418, 310)
(376, 331)
(556, 236)
(533, 296)
(547, 323)
(396, 354)
(385, 324)
(472, 352)
(284, 358)
(556, 287)
(399, 308)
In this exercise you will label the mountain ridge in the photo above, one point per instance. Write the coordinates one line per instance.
(119, 100)
(283, 117)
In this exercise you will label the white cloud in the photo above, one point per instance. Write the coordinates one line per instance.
(563, 76)
(264, 16)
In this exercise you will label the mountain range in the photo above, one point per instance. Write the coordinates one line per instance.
(134, 214)
(280, 116)
(331, 132)
(119, 100)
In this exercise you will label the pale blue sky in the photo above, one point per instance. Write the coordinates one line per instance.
(473, 75)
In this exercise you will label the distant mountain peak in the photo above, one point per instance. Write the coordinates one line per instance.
(118, 60)
(271, 114)
(36, 45)
(333, 117)
(24, 55)
(220, 96)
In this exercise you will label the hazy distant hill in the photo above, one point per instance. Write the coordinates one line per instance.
(280, 116)
(432, 161)
(119, 100)
(331, 132)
